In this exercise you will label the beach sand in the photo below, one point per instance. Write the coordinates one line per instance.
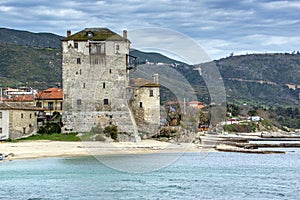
(43, 148)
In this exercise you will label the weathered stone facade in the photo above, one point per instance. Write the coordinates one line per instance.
(145, 105)
(17, 120)
(95, 77)
(96, 80)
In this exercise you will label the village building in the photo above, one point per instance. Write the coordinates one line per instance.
(145, 104)
(51, 100)
(96, 86)
(17, 120)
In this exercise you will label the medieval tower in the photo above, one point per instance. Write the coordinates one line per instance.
(95, 77)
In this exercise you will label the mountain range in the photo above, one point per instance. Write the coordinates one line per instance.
(34, 59)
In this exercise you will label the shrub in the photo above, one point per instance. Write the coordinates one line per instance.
(50, 128)
(111, 131)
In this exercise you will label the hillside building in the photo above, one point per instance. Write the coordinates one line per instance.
(96, 86)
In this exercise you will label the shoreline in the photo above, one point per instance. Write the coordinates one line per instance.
(240, 143)
(47, 149)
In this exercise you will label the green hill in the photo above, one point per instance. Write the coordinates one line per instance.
(32, 66)
(261, 78)
(258, 79)
(25, 38)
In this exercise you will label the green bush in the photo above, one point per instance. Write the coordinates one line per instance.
(240, 128)
(111, 131)
(50, 128)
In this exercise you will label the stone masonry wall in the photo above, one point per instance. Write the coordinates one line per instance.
(22, 123)
(95, 87)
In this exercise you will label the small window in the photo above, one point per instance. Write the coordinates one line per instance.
(105, 101)
(103, 85)
(22, 116)
(110, 71)
(83, 85)
(0, 130)
(30, 115)
(117, 48)
(76, 45)
(50, 105)
(39, 104)
(0, 115)
(78, 61)
(90, 34)
(78, 102)
(141, 104)
(80, 71)
(151, 93)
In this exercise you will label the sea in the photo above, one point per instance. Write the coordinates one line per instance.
(196, 175)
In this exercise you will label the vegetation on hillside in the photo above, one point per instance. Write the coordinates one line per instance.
(25, 38)
(29, 66)
(258, 80)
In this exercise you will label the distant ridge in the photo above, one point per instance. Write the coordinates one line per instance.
(26, 38)
(34, 59)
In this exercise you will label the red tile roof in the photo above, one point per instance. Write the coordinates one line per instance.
(18, 106)
(20, 98)
(51, 93)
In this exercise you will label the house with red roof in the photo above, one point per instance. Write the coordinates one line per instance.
(51, 100)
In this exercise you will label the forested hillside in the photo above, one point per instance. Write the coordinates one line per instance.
(34, 59)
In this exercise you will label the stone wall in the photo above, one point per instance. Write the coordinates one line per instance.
(95, 87)
(145, 105)
(22, 123)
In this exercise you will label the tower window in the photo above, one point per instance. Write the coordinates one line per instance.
(97, 49)
(83, 85)
(78, 61)
(103, 84)
(21, 115)
(78, 102)
(141, 104)
(89, 34)
(110, 71)
(105, 101)
(117, 48)
(151, 93)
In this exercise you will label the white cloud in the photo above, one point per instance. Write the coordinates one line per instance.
(278, 5)
(220, 27)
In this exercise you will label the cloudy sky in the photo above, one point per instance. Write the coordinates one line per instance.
(218, 26)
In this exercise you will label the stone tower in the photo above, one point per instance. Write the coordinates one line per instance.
(145, 105)
(95, 78)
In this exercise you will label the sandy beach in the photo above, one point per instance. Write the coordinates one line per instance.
(43, 148)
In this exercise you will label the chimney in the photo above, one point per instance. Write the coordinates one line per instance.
(155, 78)
(125, 34)
(68, 33)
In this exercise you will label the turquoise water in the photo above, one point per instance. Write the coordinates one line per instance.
(193, 176)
